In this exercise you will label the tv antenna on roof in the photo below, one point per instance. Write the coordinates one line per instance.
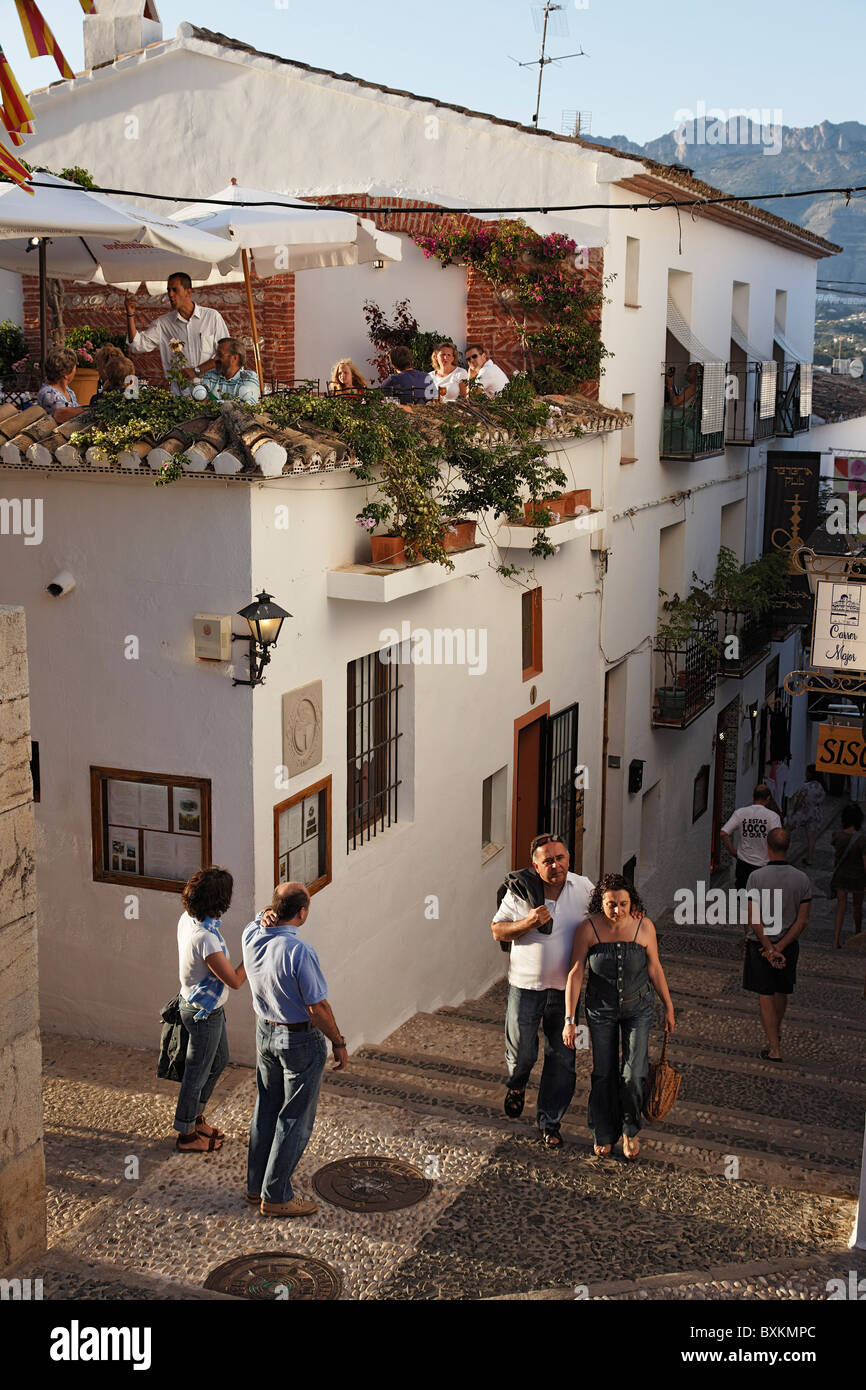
(552, 17)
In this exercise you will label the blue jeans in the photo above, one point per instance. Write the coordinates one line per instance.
(207, 1056)
(289, 1069)
(616, 1095)
(527, 1008)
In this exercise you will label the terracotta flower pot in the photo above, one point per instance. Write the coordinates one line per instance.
(532, 511)
(578, 497)
(460, 535)
(388, 550)
(84, 384)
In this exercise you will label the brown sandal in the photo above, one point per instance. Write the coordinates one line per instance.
(213, 1144)
(211, 1130)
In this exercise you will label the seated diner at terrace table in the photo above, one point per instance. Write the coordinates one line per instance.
(230, 379)
(56, 395)
(447, 374)
(407, 383)
(346, 379)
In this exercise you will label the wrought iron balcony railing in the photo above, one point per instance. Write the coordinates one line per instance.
(687, 674)
(750, 413)
(686, 433)
(793, 415)
(743, 641)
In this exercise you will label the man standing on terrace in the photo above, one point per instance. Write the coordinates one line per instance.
(195, 326)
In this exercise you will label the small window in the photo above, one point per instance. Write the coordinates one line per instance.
(151, 830)
(632, 272)
(531, 633)
(493, 814)
(302, 837)
(627, 446)
(34, 771)
(701, 793)
(373, 736)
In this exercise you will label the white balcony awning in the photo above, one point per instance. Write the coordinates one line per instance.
(792, 354)
(713, 394)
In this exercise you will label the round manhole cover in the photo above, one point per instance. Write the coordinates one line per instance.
(370, 1183)
(276, 1276)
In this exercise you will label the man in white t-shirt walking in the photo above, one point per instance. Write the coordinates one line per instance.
(541, 942)
(753, 824)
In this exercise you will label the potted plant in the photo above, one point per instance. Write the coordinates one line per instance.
(459, 534)
(682, 626)
(577, 500)
(84, 342)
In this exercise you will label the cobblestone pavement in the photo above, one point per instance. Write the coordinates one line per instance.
(747, 1190)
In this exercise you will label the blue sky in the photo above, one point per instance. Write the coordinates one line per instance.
(646, 61)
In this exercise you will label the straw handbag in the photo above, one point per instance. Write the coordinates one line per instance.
(662, 1087)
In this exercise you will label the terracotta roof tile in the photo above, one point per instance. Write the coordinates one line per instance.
(837, 397)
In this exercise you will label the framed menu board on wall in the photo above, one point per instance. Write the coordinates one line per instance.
(151, 830)
(302, 837)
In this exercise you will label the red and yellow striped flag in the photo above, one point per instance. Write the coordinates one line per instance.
(41, 43)
(16, 171)
(88, 6)
(16, 136)
(14, 100)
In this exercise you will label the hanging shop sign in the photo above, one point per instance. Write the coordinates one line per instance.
(839, 627)
(790, 516)
(841, 749)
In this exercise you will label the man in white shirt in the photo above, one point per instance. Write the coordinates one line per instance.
(753, 824)
(196, 326)
(541, 942)
(490, 378)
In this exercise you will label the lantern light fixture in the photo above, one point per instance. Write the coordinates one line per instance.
(265, 620)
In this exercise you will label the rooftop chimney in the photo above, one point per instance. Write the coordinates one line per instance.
(120, 26)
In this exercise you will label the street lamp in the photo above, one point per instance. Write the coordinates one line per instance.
(265, 619)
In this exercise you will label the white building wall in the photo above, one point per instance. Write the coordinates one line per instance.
(145, 561)
(329, 319)
(10, 297)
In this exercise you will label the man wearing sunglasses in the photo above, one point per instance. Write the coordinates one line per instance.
(482, 369)
(541, 941)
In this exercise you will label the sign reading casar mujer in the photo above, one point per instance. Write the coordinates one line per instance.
(839, 629)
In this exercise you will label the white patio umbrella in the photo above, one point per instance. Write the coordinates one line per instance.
(94, 237)
(302, 236)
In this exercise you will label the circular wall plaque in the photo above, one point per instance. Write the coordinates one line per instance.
(276, 1275)
(371, 1183)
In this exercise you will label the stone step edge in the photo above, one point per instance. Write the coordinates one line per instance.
(729, 1004)
(803, 1073)
(491, 1083)
(699, 1278)
(668, 1145)
(65, 1261)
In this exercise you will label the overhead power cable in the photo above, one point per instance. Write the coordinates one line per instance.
(653, 204)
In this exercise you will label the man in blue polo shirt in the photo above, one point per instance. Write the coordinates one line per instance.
(293, 1018)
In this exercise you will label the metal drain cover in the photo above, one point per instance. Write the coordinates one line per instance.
(371, 1183)
(275, 1275)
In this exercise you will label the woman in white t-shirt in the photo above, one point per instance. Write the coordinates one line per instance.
(447, 375)
(207, 975)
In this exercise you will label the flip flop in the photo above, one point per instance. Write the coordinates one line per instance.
(551, 1139)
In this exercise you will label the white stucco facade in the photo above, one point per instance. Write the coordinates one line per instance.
(148, 559)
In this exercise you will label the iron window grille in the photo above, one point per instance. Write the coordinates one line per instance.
(688, 678)
(373, 739)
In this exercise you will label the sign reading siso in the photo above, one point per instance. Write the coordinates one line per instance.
(839, 632)
(841, 749)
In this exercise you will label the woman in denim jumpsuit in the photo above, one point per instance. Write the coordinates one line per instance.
(617, 946)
